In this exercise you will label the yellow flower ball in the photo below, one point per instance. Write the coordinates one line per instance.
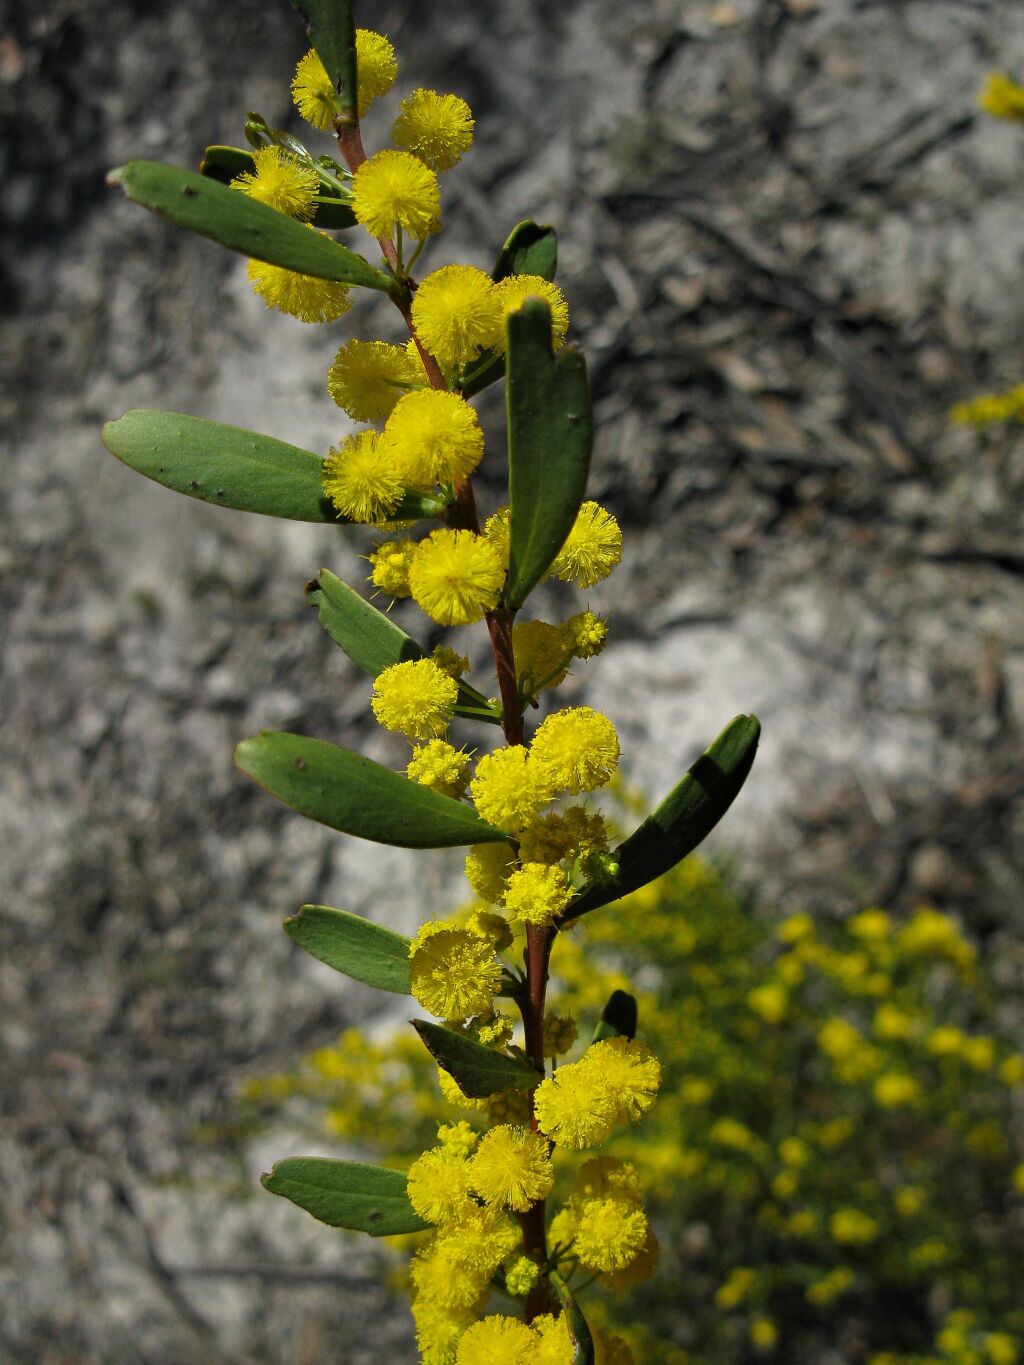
(436, 128)
(537, 894)
(509, 789)
(438, 1328)
(391, 564)
(514, 290)
(440, 767)
(629, 1071)
(396, 188)
(453, 973)
(360, 480)
(610, 1233)
(455, 577)
(496, 1341)
(456, 313)
(306, 297)
(313, 92)
(578, 747)
(376, 67)
(574, 1107)
(369, 377)
(439, 1187)
(414, 698)
(279, 182)
(588, 634)
(434, 437)
(554, 1345)
(511, 1168)
(448, 1288)
(592, 548)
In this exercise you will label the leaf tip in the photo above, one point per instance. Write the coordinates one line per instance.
(116, 176)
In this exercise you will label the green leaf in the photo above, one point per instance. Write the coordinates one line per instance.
(346, 1194)
(618, 1018)
(332, 32)
(579, 1332)
(373, 642)
(478, 1071)
(370, 639)
(242, 224)
(357, 796)
(683, 820)
(530, 249)
(231, 467)
(355, 946)
(550, 435)
(224, 163)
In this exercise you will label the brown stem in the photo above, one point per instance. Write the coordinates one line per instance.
(499, 623)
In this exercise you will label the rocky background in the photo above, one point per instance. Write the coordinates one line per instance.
(790, 243)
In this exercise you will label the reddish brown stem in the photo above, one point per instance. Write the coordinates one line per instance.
(499, 623)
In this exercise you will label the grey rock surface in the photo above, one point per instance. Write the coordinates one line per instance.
(790, 243)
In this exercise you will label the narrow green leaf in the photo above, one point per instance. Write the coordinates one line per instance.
(579, 1332)
(477, 1070)
(370, 639)
(683, 820)
(373, 642)
(332, 32)
(354, 946)
(530, 249)
(231, 467)
(346, 1194)
(357, 796)
(618, 1018)
(242, 224)
(550, 435)
(224, 163)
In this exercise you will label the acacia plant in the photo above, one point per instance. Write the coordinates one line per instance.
(539, 853)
